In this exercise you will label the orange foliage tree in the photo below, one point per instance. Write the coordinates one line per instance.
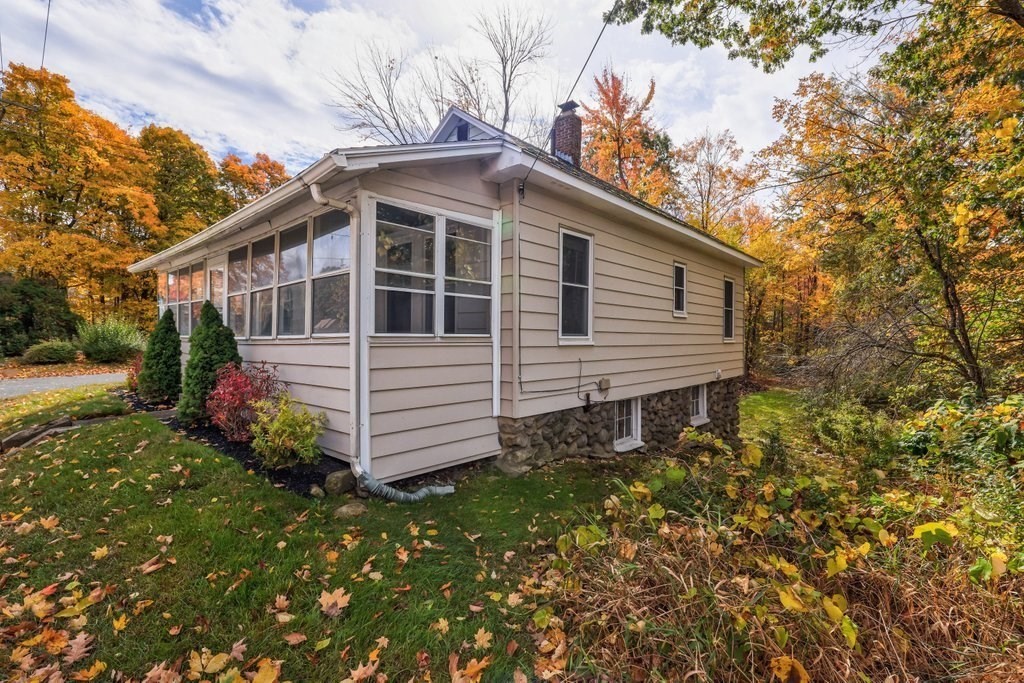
(245, 182)
(623, 146)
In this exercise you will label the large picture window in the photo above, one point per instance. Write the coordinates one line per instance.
(729, 309)
(331, 272)
(291, 282)
(421, 257)
(575, 285)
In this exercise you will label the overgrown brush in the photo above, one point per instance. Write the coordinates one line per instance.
(111, 340)
(770, 577)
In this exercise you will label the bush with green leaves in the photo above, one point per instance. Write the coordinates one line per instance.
(285, 432)
(32, 311)
(49, 352)
(111, 340)
(211, 347)
(160, 376)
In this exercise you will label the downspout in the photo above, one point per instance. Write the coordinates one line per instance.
(366, 479)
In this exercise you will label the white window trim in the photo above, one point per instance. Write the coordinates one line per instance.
(732, 307)
(701, 418)
(589, 338)
(439, 277)
(633, 441)
(244, 292)
(686, 289)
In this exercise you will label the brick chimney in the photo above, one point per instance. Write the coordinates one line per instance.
(567, 134)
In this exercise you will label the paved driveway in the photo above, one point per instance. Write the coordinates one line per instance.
(9, 388)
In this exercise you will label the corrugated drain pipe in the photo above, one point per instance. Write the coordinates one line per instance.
(375, 487)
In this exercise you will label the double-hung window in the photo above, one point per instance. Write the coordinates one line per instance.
(330, 273)
(575, 275)
(627, 424)
(422, 258)
(405, 278)
(467, 278)
(699, 404)
(679, 290)
(728, 309)
(293, 253)
(238, 284)
(261, 296)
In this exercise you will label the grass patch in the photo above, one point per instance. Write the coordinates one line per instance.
(77, 403)
(238, 543)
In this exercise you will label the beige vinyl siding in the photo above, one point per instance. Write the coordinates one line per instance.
(638, 343)
(317, 375)
(431, 405)
(447, 187)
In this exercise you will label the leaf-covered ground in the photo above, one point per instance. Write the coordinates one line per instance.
(77, 403)
(124, 546)
(13, 369)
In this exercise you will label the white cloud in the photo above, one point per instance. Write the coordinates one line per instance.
(251, 75)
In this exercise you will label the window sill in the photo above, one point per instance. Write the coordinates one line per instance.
(699, 421)
(571, 341)
(626, 446)
(679, 314)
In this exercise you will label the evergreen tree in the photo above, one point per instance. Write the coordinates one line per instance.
(212, 346)
(160, 379)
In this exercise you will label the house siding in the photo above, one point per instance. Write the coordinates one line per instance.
(637, 341)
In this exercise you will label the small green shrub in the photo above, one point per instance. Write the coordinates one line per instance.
(45, 353)
(285, 432)
(850, 429)
(112, 340)
(160, 376)
(211, 347)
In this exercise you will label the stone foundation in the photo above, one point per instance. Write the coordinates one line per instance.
(531, 441)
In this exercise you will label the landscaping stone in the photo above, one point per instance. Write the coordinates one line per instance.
(536, 440)
(339, 482)
(350, 510)
(316, 491)
(22, 437)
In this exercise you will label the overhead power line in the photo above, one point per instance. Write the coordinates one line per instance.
(46, 33)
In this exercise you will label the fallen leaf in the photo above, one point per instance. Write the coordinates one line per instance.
(331, 603)
(482, 639)
(100, 553)
(294, 639)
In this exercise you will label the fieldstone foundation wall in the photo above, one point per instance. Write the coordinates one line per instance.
(531, 441)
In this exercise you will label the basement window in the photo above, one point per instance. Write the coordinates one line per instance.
(627, 425)
(699, 405)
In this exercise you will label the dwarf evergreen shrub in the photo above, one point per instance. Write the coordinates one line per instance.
(212, 346)
(48, 352)
(160, 377)
(285, 432)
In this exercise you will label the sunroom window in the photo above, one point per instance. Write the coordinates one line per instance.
(261, 277)
(467, 284)
(330, 272)
(405, 276)
(198, 293)
(238, 283)
(291, 278)
(184, 302)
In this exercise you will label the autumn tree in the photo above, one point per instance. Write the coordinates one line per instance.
(908, 181)
(623, 146)
(187, 191)
(244, 183)
(715, 184)
(76, 195)
(767, 33)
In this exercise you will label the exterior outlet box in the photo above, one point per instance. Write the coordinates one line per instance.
(604, 384)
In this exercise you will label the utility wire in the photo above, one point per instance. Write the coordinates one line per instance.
(608, 19)
(46, 33)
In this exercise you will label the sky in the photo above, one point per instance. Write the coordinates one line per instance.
(251, 76)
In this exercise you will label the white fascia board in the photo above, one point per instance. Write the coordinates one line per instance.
(279, 195)
(513, 163)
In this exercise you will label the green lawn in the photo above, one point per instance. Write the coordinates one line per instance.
(93, 400)
(238, 543)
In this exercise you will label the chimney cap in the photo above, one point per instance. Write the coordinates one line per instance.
(567, 107)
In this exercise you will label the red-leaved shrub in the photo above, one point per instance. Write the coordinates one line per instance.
(236, 390)
(131, 379)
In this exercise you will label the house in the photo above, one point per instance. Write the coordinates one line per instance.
(473, 296)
